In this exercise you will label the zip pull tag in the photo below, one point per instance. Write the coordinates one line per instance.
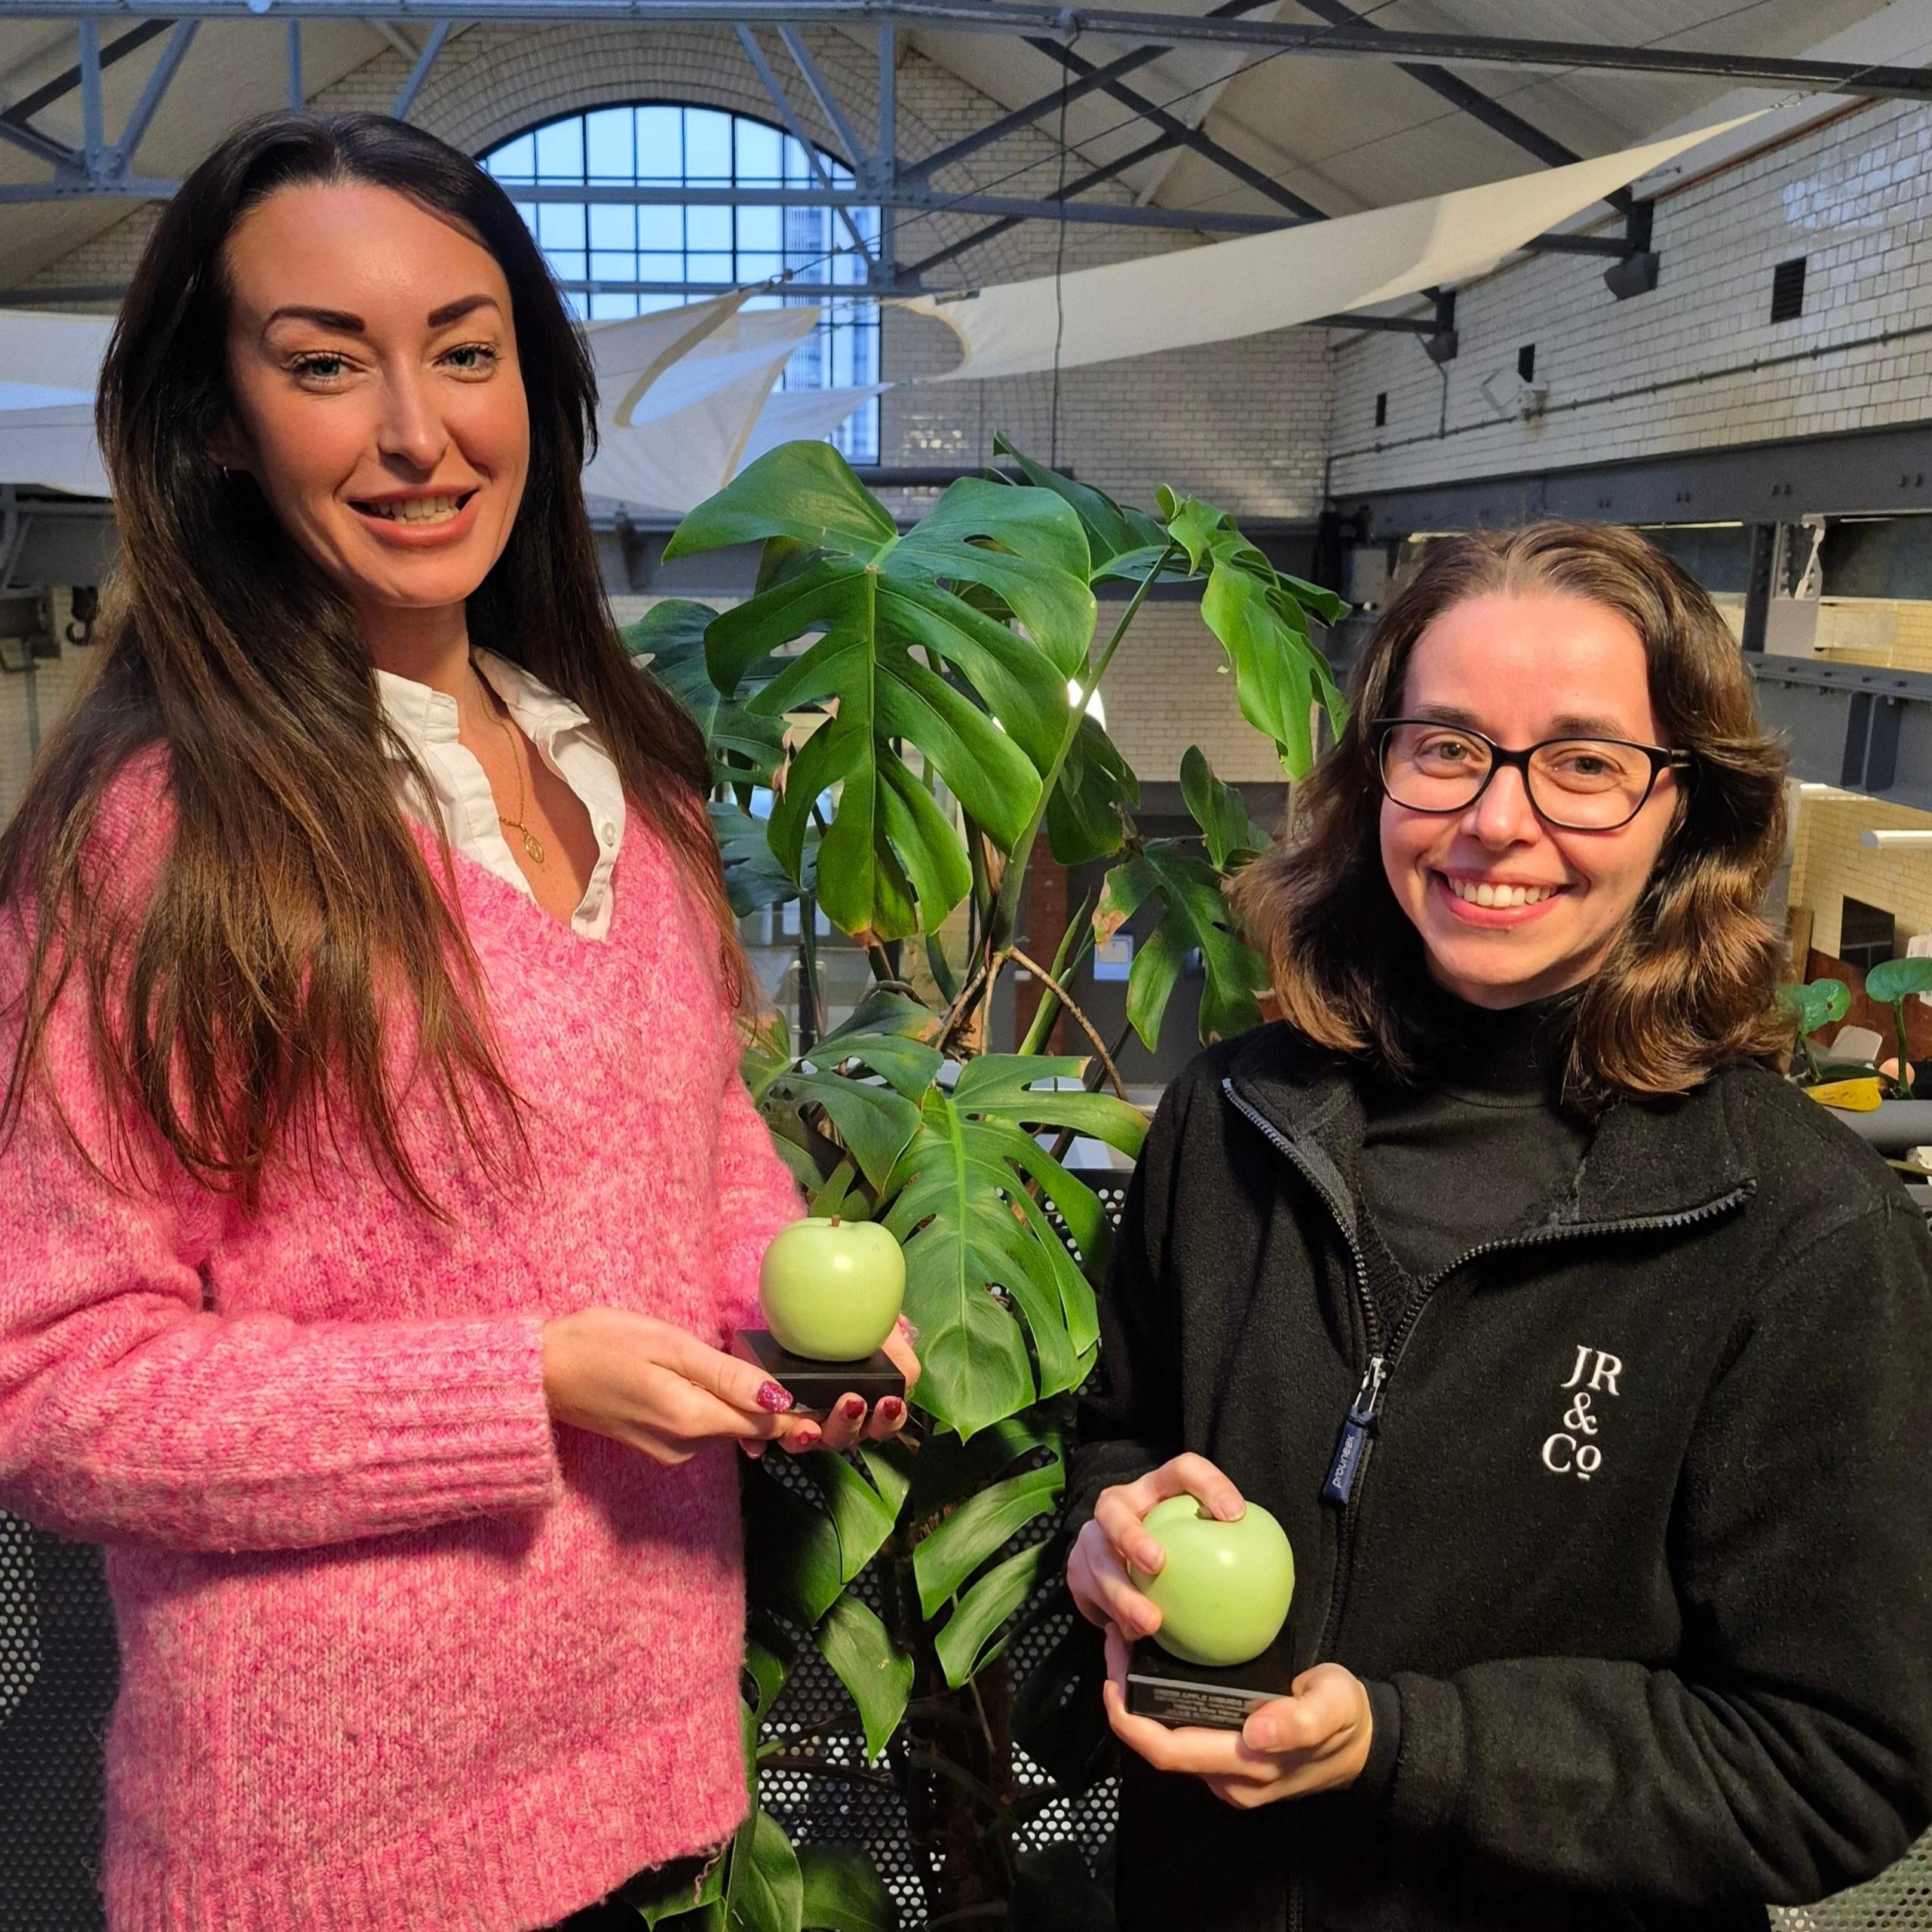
(1360, 1423)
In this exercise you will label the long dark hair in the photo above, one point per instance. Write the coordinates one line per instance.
(290, 933)
(1690, 982)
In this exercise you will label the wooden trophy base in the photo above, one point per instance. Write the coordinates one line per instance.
(815, 1385)
(1214, 1698)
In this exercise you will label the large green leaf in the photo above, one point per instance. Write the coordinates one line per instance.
(1233, 837)
(900, 660)
(971, 1636)
(764, 1890)
(874, 1121)
(1896, 979)
(792, 1555)
(1194, 916)
(1120, 541)
(1816, 1003)
(752, 877)
(677, 1900)
(947, 1470)
(869, 1664)
(969, 1228)
(1262, 619)
(804, 491)
(843, 1891)
(979, 1529)
(744, 749)
(1091, 812)
(863, 1518)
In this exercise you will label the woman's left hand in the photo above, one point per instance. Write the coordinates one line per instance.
(1315, 1739)
(847, 1421)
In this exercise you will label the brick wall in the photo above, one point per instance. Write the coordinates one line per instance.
(1828, 863)
(1697, 363)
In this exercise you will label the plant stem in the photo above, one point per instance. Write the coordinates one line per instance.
(1049, 1008)
(1904, 1062)
(1006, 906)
(1066, 1000)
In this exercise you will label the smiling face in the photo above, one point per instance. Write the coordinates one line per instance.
(377, 400)
(1521, 667)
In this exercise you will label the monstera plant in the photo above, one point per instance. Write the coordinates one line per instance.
(897, 720)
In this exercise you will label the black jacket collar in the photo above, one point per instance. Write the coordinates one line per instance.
(1651, 1160)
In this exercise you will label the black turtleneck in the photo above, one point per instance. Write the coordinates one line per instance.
(1480, 1145)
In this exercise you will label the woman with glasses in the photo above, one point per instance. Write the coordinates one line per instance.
(1586, 1362)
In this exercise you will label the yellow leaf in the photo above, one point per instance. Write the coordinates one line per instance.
(1849, 1096)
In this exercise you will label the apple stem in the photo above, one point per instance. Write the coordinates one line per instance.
(835, 1220)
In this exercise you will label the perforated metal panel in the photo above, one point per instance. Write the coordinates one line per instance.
(57, 1674)
(1899, 1900)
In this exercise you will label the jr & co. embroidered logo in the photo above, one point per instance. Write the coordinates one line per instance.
(1572, 1451)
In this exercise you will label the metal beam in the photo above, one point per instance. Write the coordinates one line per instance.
(885, 170)
(158, 82)
(93, 133)
(298, 99)
(953, 250)
(797, 129)
(1471, 101)
(1049, 103)
(1012, 17)
(857, 155)
(431, 47)
(1187, 136)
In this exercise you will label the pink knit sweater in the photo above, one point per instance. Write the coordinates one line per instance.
(396, 1652)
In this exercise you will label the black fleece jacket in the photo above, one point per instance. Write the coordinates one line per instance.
(1636, 1562)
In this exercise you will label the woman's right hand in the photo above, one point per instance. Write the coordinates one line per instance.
(651, 1385)
(1096, 1568)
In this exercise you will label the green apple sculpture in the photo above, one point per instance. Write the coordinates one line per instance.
(1223, 1592)
(831, 1289)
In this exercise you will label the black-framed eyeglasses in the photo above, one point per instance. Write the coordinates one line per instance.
(1576, 784)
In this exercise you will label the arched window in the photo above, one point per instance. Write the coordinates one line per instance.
(615, 259)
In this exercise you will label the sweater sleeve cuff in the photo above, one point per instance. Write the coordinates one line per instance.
(1378, 1775)
(454, 1419)
(1431, 1749)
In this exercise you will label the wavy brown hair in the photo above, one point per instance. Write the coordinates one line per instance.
(1690, 984)
(291, 968)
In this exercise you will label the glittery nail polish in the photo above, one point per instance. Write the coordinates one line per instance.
(772, 1399)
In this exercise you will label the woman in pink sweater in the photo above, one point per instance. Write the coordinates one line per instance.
(379, 1190)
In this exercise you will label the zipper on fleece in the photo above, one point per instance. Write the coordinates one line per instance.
(1363, 1420)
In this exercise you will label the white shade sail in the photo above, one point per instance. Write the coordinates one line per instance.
(1260, 282)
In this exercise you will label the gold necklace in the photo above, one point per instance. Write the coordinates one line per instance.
(533, 844)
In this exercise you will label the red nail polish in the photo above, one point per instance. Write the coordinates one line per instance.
(772, 1399)
(808, 1435)
(851, 1408)
(892, 1408)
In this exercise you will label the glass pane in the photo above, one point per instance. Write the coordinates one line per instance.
(660, 144)
(757, 268)
(607, 144)
(528, 210)
(515, 160)
(710, 268)
(560, 225)
(758, 227)
(612, 227)
(707, 146)
(650, 305)
(614, 267)
(567, 265)
(759, 157)
(708, 228)
(660, 228)
(612, 308)
(661, 269)
(561, 150)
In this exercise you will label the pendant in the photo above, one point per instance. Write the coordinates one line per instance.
(533, 844)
